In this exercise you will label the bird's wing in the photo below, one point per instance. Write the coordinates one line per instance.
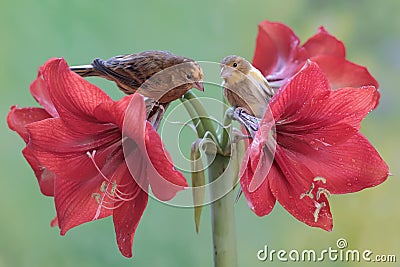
(133, 70)
(114, 71)
(256, 77)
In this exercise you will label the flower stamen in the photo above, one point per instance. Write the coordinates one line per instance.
(320, 191)
(110, 197)
(324, 191)
(91, 157)
(320, 179)
(318, 207)
(103, 187)
(97, 197)
(308, 193)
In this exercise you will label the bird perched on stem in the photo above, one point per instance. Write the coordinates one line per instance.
(159, 75)
(245, 86)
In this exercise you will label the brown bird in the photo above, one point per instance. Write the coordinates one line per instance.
(245, 86)
(159, 75)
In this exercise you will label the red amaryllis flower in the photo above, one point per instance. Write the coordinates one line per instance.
(319, 149)
(76, 149)
(278, 55)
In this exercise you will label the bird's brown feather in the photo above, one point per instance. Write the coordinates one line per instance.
(131, 71)
(160, 76)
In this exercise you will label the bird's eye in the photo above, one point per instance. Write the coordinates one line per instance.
(189, 76)
(234, 65)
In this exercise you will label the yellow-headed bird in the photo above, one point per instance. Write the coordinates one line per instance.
(245, 86)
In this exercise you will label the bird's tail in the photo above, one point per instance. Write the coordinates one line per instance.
(85, 70)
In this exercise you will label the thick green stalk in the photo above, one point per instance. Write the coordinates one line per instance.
(193, 115)
(222, 213)
(221, 178)
(226, 130)
(202, 113)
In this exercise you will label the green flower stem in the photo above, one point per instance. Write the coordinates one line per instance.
(220, 167)
(193, 115)
(202, 113)
(224, 138)
(222, 214)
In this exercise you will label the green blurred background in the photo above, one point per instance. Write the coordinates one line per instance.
(33, 31)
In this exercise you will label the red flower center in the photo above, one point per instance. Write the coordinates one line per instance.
(111, 196)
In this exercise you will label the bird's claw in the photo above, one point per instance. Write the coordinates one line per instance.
(243, 117)
(154, 111)
(229, 113)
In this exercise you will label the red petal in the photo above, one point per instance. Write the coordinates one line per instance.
(302, 209)
(74, 98)
(305, 142)
(257, 164)
(276, 48)
(260, 154)
(289, 182)
(40, 90)
(327, 119)
(55, 135)
(324, 44)
(343, 73)
(74, 199)
(331, 117)
(347, 167)
(144, 151)
(75, 203)
(126, 219)
(18, 118)
(261, 200)
(297, 91)
(129, 114)
(164, 179)
(54, 222)
(64, 151)
(44, 176)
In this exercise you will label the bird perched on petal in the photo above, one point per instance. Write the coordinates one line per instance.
(160, 76)
(131, 71)
(244, 85)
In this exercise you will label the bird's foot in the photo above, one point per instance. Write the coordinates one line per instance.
(244, 118)
(230, 112)
(160, 114)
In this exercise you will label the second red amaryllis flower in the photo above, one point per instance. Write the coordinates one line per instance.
(76, 149)
(319, 149)
(278, 55)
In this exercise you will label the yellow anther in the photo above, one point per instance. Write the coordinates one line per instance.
(323, 191)
(103, 186)
(308, 193)
(113, 188)
(320, 179)
(97, 197)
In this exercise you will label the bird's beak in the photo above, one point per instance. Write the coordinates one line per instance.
(199, 85)
(225, 73)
